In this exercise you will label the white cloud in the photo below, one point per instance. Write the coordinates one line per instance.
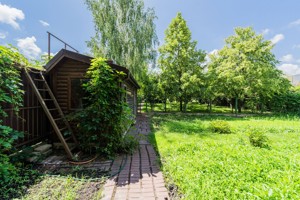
(207, 57)
(295, 23)
(28, 47)
(265, 31)
(287, 58)
(9, 15)
(213, 52)
(3, 35)
(289, 69)
(277, 38)
(44, 23)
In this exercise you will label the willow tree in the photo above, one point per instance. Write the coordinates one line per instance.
(180, 62)
(246, 67)
(125, 32)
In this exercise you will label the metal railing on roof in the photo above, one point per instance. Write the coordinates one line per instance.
(49, 44)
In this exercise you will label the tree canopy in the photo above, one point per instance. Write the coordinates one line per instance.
(246, 67)
(125, 32)
(180, 62)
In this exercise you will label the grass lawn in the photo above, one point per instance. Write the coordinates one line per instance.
(207, 165)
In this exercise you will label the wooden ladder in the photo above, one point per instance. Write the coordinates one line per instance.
(59, 122)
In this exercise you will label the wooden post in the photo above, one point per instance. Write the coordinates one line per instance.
(49, 42)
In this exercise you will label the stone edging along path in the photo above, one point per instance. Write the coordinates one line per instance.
(137, 176)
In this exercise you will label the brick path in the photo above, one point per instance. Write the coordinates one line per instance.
(137, 176)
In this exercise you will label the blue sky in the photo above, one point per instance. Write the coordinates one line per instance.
(24, 23)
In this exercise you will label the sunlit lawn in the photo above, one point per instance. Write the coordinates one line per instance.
(206, 165)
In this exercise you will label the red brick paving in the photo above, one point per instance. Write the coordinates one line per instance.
(139, 175)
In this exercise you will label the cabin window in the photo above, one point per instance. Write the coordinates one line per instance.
(77, 93)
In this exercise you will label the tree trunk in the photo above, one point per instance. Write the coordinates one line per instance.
(180, 105)
(165, 105)
(210, 107)
(152, 107)
(184, 106)
(236, 105)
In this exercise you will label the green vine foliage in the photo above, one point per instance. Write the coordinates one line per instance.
(106, 116)
(11, 94)
(10, 81)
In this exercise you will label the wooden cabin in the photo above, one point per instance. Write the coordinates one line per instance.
(66, 71)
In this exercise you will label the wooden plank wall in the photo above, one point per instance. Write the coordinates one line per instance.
(69, 69)
(131, 97)
(61, 78)
(31, 119)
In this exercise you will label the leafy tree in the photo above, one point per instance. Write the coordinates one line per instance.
(247, 67)
(152, 92)
(209, 91)
(180, 62)
(125, 32)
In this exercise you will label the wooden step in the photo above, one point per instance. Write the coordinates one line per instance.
(41, 80)
(64, 128)
(69, 138)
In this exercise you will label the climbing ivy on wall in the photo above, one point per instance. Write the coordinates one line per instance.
(11, 62)
(106, 115)
(11, 94)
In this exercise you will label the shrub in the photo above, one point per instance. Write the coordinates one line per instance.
(220, 126)
(105, 118)
(18, 183)
(258, 139)
(286, 103)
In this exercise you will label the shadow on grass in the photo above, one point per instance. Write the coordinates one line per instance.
(28, 176)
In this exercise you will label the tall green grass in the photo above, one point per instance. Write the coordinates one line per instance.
(206, 165)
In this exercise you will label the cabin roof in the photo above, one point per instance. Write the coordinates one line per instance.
(85, 59)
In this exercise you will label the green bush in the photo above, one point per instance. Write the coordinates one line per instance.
(220, 126)
(258, 139)
(19, 181)
(7, 137)
(105, 117)
(286, 103)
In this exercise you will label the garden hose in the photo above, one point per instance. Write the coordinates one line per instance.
(91, 179)
(83, 162)
(75, 178)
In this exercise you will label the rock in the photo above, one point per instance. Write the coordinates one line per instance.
(47, 153)
(33, 159)
(36, 153)
(43, 148)
(58, 145)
